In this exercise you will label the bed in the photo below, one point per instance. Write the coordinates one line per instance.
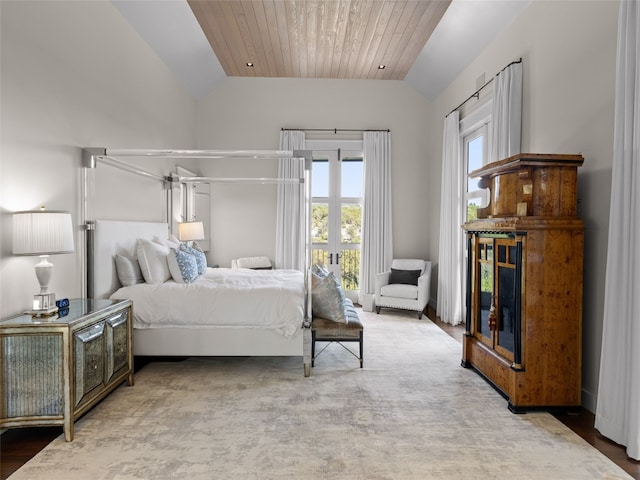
(225, 312)
(260, 313)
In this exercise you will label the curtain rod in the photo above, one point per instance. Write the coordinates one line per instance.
(476, 94)
(336, 130)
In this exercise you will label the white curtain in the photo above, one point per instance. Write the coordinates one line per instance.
(618, 409)
(290, 227)
(451, 250)
(377, 239)
(507, 113)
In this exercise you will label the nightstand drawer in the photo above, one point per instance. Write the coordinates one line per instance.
(89, 346)
(117, 338)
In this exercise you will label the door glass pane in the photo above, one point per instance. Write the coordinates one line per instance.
(351, 219)
(351, 177)
(320, 178)
(320, 223)
(320, 256)
(350, 268)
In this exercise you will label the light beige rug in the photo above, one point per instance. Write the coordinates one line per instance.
(411, 413)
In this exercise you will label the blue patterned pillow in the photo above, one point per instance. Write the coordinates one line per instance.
(201, 259)
(183, 266)
(327, 298)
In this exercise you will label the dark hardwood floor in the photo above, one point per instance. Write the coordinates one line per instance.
(19, 445)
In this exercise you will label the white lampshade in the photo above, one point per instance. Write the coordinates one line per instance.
(189, 231)
(42, 232)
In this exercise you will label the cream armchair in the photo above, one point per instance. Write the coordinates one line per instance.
(411, 290)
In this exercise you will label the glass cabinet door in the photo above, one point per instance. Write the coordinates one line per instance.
(498, 288)
(506, 297)
(485, 289)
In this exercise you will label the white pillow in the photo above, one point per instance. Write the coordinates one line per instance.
(171, 242)
(128, 270)
(253, 262)
(152, 258)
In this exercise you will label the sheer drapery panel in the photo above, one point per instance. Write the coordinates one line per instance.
(290, 227)
(618, 407)
(507, 113)
(377, 238)
(451, 249)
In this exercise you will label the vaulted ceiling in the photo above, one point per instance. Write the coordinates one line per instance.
(425, 42)
(363, 39)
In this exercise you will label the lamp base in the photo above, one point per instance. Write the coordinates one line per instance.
(44, 303)
(42, 313)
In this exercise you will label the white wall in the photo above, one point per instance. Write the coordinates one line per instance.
(75, 74)
(248, 113)
(568, 49)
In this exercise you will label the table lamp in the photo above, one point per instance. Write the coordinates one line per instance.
(190, 231)
(43, 233)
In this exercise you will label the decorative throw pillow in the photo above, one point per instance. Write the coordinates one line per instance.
(319, 270)
(128, 270)
(201, 259)
(152, 258)
(407, 277)
(327, 298)
(183, 266)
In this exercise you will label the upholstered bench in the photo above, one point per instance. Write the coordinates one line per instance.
(323, 330)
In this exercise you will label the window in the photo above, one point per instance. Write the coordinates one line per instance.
(475, 132)
(475, 155)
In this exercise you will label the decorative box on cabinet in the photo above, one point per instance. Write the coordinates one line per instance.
(523, 329)
(56, 368)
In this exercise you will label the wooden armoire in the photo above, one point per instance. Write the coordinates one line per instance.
(523, 330)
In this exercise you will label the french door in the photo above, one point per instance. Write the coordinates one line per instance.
(336, 223)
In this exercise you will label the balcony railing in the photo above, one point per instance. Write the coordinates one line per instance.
(349, 266)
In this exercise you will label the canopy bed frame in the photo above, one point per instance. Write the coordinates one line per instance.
(104, 239)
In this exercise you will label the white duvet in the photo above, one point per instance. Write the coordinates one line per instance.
(272, 299)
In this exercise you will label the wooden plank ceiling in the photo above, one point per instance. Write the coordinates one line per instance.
(318, 38)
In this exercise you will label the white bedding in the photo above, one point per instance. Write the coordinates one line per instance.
(272, 299)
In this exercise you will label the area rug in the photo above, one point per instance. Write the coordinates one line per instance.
(411, 413)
